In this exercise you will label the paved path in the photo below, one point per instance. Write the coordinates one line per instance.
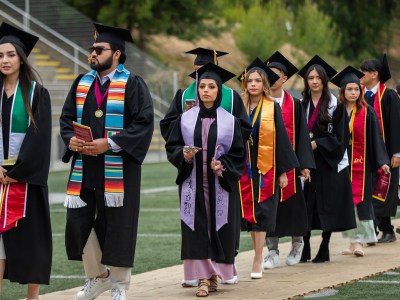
(280, 283)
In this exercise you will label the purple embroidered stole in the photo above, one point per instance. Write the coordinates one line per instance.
(225, 131)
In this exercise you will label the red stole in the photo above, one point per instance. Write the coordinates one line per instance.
(265, 163)
(358, 134)
(289, 120)
(12, 204)
(378, 107)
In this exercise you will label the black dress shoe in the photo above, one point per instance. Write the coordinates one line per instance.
(398, 230)
(322, 256)
(387, 238)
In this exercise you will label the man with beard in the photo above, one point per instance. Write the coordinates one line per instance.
(103, 193)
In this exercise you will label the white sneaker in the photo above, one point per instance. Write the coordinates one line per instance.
(271, 260)
(93, 287)
(190, 283)
(233, 280)
(295, 254)
(118, 294)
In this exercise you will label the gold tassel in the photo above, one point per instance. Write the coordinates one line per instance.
(215, 58)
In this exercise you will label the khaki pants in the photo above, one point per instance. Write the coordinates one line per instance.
(91, 258)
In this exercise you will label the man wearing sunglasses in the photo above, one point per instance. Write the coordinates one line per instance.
(103, 192)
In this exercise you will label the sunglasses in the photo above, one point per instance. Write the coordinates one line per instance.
(97, 49)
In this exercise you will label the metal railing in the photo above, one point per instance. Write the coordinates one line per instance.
(27, 19)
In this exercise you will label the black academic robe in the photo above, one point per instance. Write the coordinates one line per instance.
(329, 195)
(375, 157)
(196, 244)
(238, 110)
(291, 219)
(285, 160)
(116, 227)
(390, 105)
(28, 246)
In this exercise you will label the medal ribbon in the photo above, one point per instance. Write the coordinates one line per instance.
(99, 97)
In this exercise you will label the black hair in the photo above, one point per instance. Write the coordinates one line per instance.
(323, 115)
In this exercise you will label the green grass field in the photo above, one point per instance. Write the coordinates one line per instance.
(158, 244)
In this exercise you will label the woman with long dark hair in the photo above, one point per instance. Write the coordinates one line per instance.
(367, 154)
(206, 146)
(328, 195)
(25, 231)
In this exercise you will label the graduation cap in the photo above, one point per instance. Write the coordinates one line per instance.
(347, 75)
(205, 56)
(385, 76)
(278, 61)
(258, 63)
(316, 60)
(212, 71)
(113, 35)
(15, 36)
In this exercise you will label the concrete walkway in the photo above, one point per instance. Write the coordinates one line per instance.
(280, 283)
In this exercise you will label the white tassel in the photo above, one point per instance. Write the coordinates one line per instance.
(114, 199)
(73, 202)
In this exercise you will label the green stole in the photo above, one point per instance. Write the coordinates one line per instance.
(13, 196)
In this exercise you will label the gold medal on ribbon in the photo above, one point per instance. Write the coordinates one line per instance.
(98, 113)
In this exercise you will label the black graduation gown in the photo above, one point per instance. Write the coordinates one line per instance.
(285, 160)
(291, 219)
(238, 110)
(196, 244)
(390, 104)
(376, 156)
(329, 195)
(116, 227)
(28, 246)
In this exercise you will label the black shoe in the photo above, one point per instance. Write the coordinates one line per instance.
(323, 252)
(398, 230)
(306, 254)
(371, 244)
(387, 238)
(322, 256)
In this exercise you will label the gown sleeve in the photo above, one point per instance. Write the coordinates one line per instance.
(304, 151)
(174, 148)
(233, 161)
(33, 162)
(332, 145)
(285, 157)
(136, 136)
(378, 153)
(391, 111)
(68, 115)
(174, 111)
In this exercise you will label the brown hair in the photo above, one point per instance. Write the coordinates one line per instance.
(360, 101)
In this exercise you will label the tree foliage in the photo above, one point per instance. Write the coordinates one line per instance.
(314, 32)
(263, 29)
(364, 25)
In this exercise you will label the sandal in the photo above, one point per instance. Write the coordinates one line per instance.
(213, 284)
(202, 290)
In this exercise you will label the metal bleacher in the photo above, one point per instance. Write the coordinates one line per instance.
(61, 54)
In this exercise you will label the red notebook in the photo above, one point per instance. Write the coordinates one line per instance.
(84, 133)
(382, 187)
